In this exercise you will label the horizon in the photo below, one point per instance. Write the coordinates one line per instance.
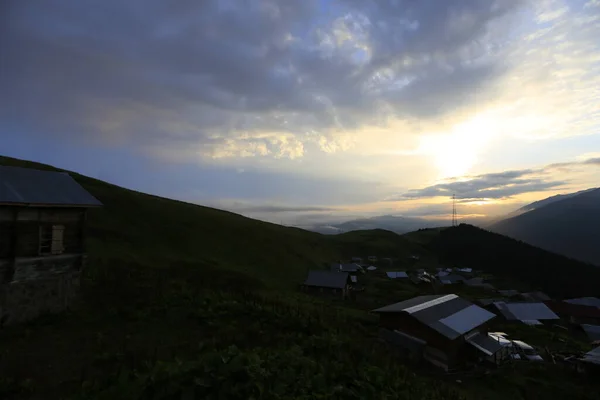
(313, 111)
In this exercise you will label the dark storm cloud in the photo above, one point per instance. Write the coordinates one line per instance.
(197, 72)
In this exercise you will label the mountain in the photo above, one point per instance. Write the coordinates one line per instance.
(392, 223)
(472, 247)
(552, 199)
(565, 224)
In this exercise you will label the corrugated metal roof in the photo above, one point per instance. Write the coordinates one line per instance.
(485, 344)
(509, 292)
(531, 322)
(36, 187)
(592, 331)
(586, 301)
(535, 296)
(327, 279)
(467, 319)
(592, 356)
(576, 310)
(395, 275)
(403, 305)
(449, 315)
(451, 279)
(526, 311)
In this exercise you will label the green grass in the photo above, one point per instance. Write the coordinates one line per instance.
(180, 299)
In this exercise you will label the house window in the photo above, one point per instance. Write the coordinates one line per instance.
(51, 239)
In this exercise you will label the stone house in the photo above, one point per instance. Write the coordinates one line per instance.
(42, 241)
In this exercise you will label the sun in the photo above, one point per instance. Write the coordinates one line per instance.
(455, 153)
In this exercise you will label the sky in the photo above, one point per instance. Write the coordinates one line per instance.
(310, 111)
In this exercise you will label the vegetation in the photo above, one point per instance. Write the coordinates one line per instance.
(476, 248)
(565, 224)
(182, 301)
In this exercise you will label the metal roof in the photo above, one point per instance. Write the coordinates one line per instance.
(449, 314)
(452, 278)
(509, 292)
(576, 310)
(531, 322)
(586, 301)
(536, 296)
(394, 275)
(525, 311)
(406, 304)
(485, 344)
(327, 279)
(592, 331)
(36, 187)
(592, 356)
(474, 281)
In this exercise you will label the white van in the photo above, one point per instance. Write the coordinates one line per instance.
(526, 350)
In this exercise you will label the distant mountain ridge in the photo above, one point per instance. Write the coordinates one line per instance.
(396, 224)
(549, 200)
(566, 224)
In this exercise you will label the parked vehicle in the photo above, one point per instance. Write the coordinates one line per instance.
(527, 351)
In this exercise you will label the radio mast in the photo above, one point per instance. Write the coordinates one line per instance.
(454, 220)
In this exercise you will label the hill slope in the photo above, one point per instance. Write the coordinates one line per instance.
(568, 225)
(468, 246)
(149, 230)
(173, 307)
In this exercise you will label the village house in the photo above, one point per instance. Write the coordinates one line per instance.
(535, 296)
(592, 332)
(446, 330)
(452, 279)
(335, 283)
(575, 313)
(397, 275)
(586, 301)
(527, 313)
(590, 362)
(42, 242)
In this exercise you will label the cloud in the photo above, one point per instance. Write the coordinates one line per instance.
(592, 161)
(285, 209)
(500, 185)
(216, 79)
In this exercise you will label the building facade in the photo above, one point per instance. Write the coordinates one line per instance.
(42, 242)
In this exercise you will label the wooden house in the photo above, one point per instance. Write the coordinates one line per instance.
(328, 282)
(527, 313)
(447, 330)
(42, 241)
(575, 313)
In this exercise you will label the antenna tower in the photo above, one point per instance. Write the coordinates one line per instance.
(454, 220)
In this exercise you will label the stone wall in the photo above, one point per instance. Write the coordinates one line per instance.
(24, 301)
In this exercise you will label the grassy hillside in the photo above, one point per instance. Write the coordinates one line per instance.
(183, 301)
(141, 229)
(568, 225)
(473, 247)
